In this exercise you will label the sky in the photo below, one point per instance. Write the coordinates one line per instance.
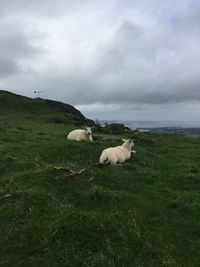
(111, 59)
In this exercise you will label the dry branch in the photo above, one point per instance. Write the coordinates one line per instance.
(66, 172)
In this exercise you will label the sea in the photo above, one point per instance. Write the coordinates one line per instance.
(188, 128)
(155, 124)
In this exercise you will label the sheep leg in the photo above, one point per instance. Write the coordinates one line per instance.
(120, 164)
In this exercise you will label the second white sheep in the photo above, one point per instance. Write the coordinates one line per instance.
(118, 154)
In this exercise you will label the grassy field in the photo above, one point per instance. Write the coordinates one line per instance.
(145, 213)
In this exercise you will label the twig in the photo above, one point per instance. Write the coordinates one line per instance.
(14, 194)
(92, 178)
(69, 172)
(74, 173)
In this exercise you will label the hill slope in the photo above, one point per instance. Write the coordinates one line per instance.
(142, 214)
(48, 110)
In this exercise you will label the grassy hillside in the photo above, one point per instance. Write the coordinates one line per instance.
(145, 213)
(40, 109)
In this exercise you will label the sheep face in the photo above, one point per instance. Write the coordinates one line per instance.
(88, 131)
(128, 142)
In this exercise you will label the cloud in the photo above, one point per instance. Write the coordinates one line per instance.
(103, 55)
(16, 47)
(36, 8)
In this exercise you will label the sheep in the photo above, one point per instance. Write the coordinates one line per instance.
(118, 154)
(81, 135)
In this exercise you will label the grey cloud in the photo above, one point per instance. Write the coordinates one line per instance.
(38, 8)
(7, 67)
(135, 53)
(15, 46)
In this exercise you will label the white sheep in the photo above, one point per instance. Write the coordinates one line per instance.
(118, 154)
(81, 135)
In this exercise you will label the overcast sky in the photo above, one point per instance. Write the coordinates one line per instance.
(112, 59)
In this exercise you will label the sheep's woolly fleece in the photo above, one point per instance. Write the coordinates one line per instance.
(81, 135)
(118, 154)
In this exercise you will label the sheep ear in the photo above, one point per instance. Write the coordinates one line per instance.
(124, 140)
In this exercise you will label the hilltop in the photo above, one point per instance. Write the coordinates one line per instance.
(42, 109)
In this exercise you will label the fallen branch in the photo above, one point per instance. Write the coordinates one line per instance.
(73, 173)
(67, 172)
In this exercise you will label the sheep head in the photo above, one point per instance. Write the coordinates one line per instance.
(88, 131)
(128, 143)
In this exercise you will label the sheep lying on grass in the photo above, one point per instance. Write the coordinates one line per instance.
(118, 154)
(81, 135)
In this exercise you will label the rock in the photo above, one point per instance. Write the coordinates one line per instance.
(115, 128)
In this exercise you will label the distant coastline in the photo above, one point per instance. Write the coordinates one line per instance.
(189, 128)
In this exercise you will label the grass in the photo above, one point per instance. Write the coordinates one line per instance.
(145, 213)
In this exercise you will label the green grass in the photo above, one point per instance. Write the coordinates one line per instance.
(145, 213)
